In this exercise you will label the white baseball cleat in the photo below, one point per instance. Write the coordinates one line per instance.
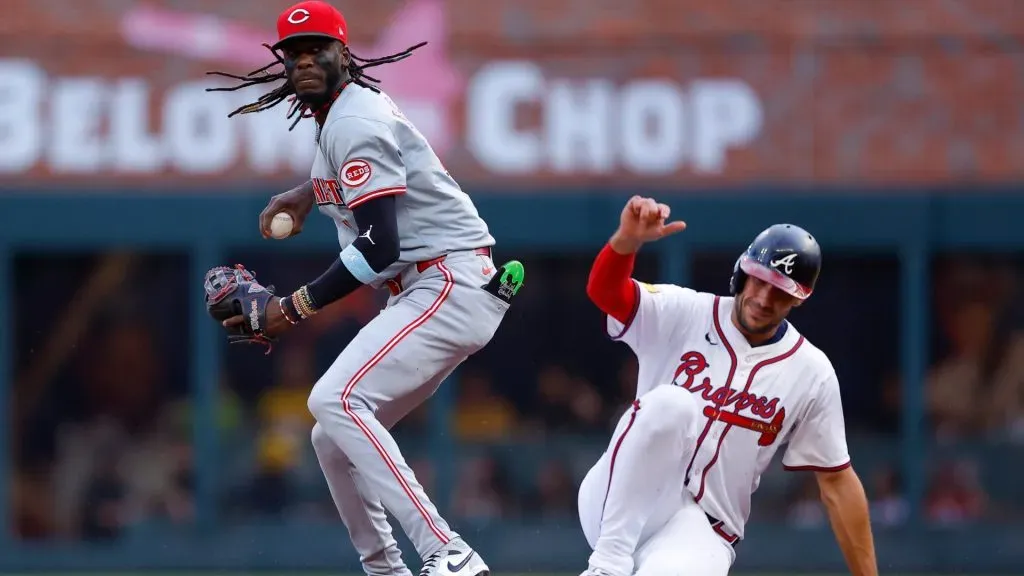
(456, 558)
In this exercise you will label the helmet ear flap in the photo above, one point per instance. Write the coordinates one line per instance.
(738, 279)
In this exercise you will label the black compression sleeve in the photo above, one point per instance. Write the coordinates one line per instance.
(378, 232)
(333, 285)
(376, 248)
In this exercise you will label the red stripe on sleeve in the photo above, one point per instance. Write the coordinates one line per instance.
(610, 286)
(376, 194)
(839, 468)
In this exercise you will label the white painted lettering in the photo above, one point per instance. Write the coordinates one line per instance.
(133, 148)
(727, 114)
(646, 127)
(76, 115)
(22, 85)
(492, 100)
(576, 130)
(652, 127)
(197, 132)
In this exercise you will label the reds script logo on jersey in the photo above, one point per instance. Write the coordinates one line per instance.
(327, 192)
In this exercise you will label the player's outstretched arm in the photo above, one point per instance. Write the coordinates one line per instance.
(609, 285)
(847, 505)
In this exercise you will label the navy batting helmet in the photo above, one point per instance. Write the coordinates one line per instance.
(785, 256)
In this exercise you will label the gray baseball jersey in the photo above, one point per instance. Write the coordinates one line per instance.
(441, 316)
(369, 149)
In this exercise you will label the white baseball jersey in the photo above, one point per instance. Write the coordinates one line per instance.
(756, 398)
(368, 149)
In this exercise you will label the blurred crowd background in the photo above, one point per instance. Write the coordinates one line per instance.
(555, 107)
(104, 431)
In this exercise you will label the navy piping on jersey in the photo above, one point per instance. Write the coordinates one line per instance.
(728, 386)
(746, 388)
(777, 337)
(632, 315)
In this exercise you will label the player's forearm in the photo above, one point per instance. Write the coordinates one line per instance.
(610, 286)
(306, 198)
(360, 263)
(624, 245)
(847, 504)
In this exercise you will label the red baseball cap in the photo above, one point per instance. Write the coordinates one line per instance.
(309, 19)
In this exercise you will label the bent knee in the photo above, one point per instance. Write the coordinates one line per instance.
(319, 403)
(326, 449)
(322, 443)
(325, 399)
(671, 408)
(590, 500)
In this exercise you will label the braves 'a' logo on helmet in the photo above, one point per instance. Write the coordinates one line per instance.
(787, 263)
(783, 255)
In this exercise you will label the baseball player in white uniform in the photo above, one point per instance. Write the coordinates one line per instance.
(723, 383)
(403, 224)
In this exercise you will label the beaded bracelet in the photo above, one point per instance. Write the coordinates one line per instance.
(303, 303)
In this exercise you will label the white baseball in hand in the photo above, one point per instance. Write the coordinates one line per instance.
(281, 225)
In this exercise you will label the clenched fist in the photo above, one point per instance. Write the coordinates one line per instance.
(643, 220)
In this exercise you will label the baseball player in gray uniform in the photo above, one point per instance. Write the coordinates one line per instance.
(405, 225)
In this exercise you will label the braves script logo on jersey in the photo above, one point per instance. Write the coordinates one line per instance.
(693, 364)
(327, 192)
(355, 173)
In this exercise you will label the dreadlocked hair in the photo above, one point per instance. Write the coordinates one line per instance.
(356, 70)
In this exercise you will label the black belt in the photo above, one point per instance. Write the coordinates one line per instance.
(719, 527)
